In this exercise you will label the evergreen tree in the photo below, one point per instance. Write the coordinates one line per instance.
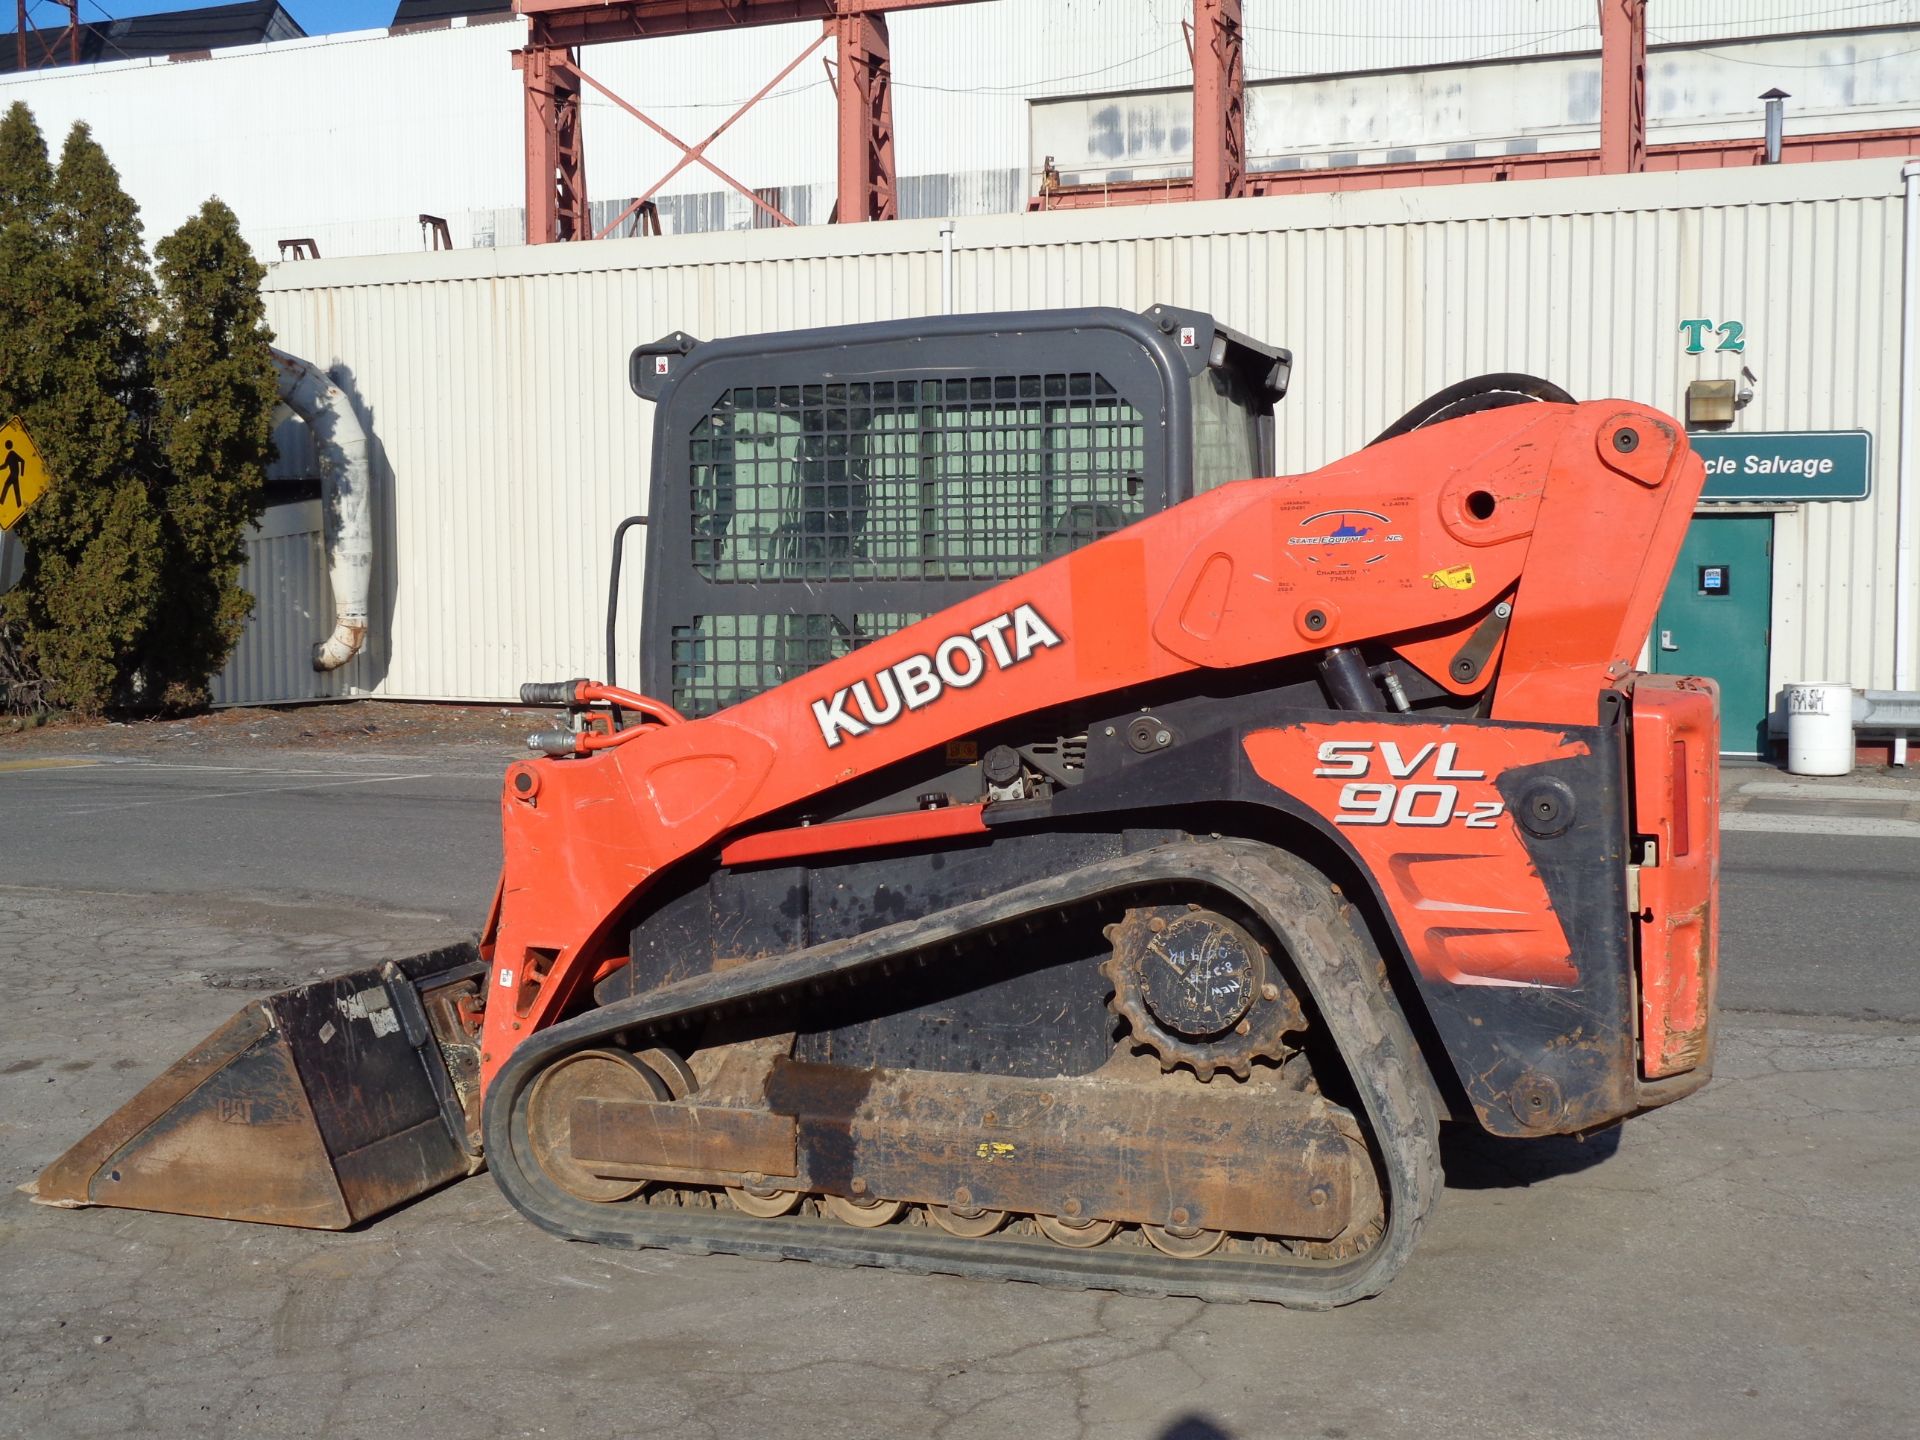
(26, 248)
(92, 583)
(26, 244)
(26, 175)
(217, 394)
(129, 593)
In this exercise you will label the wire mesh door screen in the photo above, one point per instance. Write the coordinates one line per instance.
(933, 479)
(938, 479)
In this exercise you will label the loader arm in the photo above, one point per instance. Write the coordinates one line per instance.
(1516, 555)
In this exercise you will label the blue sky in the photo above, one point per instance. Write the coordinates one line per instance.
(316, 17)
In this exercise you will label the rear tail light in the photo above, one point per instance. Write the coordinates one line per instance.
(1676, 802)
(1682, 820)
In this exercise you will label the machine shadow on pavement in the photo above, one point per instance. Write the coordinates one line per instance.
(1475, 1160)
(1195, 1427)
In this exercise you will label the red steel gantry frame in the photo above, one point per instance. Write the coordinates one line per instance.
(49, 49)
(553, 82)
(1623, 86)
(1219, 132)
(1219, 102)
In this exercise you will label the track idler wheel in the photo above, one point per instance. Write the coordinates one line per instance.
(585, 1075)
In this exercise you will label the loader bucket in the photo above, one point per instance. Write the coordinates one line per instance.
(320, 1106)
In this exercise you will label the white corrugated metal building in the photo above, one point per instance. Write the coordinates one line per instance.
(347, 139)
(508, 444)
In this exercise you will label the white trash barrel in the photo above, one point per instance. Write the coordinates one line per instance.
(1820, 728)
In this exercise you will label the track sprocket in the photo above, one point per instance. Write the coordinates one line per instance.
(1197, 989)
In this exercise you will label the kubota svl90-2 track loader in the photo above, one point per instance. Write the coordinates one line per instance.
(1043, 860)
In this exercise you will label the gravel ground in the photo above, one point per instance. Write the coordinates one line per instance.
(387, 726)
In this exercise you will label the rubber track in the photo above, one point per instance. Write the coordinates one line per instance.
(1336, 962)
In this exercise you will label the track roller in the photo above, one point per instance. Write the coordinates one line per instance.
(973, 1224)
(764, 1204)
(863, 1214)
(1194, 1246)
(1076, 1234)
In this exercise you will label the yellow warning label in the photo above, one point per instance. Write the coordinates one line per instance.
(23, 475)
(1454, 577)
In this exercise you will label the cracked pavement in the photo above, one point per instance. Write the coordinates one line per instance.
(1745, 1263)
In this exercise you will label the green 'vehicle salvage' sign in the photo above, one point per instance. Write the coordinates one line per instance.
(1796, 465)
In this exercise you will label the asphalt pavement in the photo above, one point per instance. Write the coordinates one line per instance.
(1818, 924)
(398, 831)
(1744, 1263)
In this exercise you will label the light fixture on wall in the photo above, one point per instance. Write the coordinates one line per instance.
(1710, 402)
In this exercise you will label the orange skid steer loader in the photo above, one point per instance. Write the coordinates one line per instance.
(1040, 852)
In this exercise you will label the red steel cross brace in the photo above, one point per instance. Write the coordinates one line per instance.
(691, 154)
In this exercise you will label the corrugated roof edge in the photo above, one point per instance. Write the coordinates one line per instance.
(1669, 190)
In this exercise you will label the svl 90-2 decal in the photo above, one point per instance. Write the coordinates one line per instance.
(1418, 803)
(1391, 802)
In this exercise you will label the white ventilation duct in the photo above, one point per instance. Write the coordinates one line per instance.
(345, 488)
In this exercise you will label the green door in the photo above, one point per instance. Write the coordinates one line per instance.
(1715, 620)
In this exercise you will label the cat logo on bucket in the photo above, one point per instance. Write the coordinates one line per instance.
(958, 661)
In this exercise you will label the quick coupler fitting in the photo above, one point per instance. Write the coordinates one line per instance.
(550, 692)
(557, 743)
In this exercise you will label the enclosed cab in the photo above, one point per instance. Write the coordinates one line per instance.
(817, 490)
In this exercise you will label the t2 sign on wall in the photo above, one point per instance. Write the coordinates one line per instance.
(1732, 333)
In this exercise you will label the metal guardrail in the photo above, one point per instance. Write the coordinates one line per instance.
(1875, 712)
(1886, 711)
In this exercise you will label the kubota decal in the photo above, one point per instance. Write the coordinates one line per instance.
(958, 661)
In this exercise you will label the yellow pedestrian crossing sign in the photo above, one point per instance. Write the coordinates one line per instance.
(23, 474)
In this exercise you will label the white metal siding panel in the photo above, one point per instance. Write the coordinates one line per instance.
(363, 132)
(1285, 39)
(502, 458)
(295, 457)
(507, 444)
(286, 573)
(1721, 19)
